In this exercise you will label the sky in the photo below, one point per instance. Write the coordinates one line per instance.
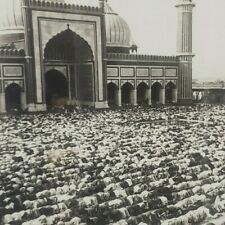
(154, 29)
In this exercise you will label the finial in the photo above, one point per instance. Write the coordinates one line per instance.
(68, 26)
(102, 4)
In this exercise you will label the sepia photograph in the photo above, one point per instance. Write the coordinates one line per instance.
(112, 112)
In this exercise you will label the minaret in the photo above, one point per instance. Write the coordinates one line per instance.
(184, 50)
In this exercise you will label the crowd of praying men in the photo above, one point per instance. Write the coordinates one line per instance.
(131, 166)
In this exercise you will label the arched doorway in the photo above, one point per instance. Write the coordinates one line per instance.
(142, 94)
(56, 89)
(156, 93)
(72, 50)
(13, 97)
(170, 93)
(112, 94)
(126, 92)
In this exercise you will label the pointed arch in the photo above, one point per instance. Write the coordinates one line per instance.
(13, 97)
(68, 46)
(170, 92)
(56, 88)
(142, 93)
(156, 92)
(126, 91)
(131, 82)
(112, 90)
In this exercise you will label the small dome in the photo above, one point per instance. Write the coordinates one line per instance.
(118, 33)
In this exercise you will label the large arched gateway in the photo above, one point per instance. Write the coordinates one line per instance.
(70, 50)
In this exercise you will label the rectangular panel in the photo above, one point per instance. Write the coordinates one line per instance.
(171, 72)
(157, 72)
(112, 71)
(127, 72)
(13, 71)
(85, 82)
(142, 72)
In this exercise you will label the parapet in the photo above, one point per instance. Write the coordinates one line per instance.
(11, 52)
(57, 6)
(133, 57)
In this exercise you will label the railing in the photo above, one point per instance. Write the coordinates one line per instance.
(122, 56)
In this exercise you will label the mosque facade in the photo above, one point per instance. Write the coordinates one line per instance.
(55, 53)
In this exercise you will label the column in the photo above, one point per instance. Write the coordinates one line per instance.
(30, 67)
(69, 86)
(73, 84)
(134, 97)
(23, 100)
(149, 96)
(162, 96)
(175, 95)
(118, 97)
(2, 103)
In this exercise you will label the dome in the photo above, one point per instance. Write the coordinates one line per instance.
(118, 34)
(11, 23)
(11, 15)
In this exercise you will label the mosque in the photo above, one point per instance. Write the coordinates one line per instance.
(55, 52)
